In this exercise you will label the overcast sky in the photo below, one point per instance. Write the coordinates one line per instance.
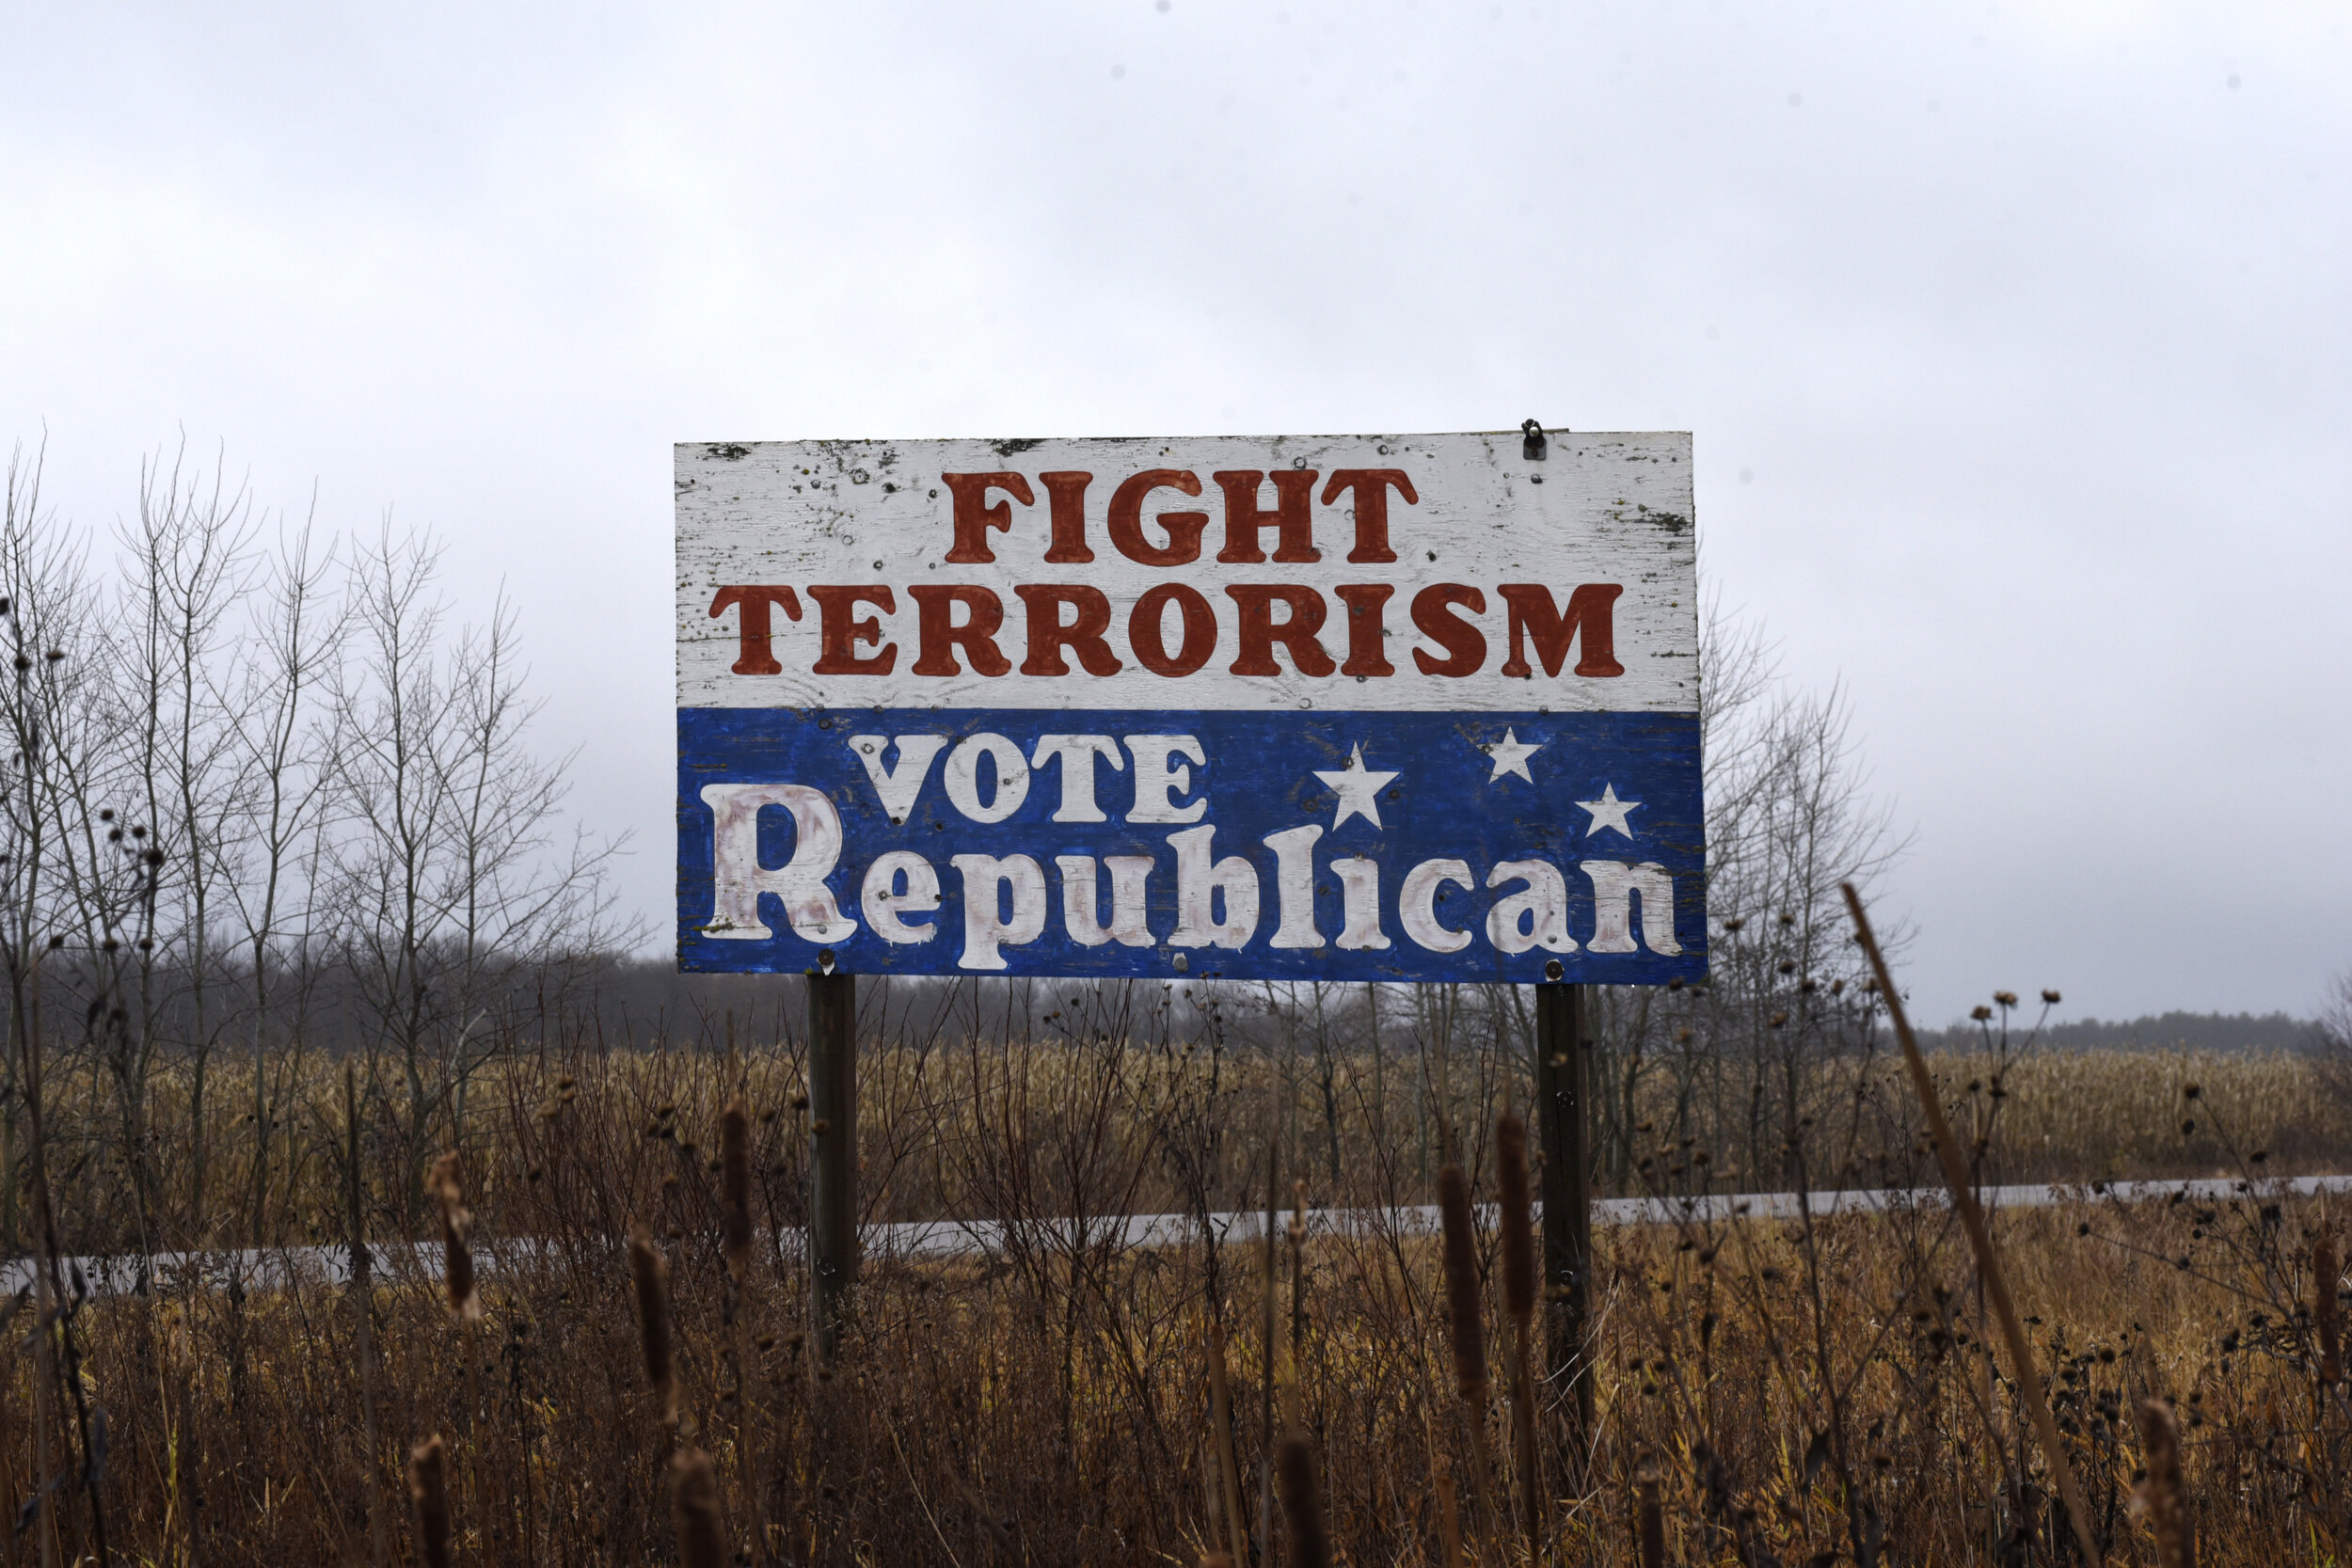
(2016, 342)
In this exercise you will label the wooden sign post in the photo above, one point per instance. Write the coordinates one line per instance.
(1563, 1120)
(832, 1206)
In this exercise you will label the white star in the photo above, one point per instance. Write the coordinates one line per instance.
(1359, 789)
(1608, 812)
(1510, 756)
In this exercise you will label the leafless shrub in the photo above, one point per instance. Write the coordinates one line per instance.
(2326, 1309)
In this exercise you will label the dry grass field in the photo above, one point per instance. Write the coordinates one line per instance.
(1765, 1391)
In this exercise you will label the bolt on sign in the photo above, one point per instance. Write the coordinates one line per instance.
(1359, 708)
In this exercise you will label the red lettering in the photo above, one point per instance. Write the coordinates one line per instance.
(974, 516)
(1590, 611)
(1146, 630)
(1067, 495)
(1245, 519)
(1184, 528)
(839, 629)
(1259, 631)
(934, 605)
(1049, 635)
(752, 654)
(1367, 628)
(1434, 615)
(1372, 487)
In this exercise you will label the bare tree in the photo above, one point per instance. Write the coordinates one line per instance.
(282, 762)
(76, 877)
(2332, 1038)
(449, 879)
(246, 784)
(186, 565)
(1789, 817)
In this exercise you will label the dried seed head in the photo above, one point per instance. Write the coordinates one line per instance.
(1461, 1284)
(1302, 1500)
(1518, 1220)
(694, 1510)
(651, 1273)
(428, 1490)
(443, 1183)
(735, 1185)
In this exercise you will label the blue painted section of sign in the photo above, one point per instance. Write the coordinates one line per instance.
(1551, 802)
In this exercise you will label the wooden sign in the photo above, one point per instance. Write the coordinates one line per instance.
(1364, 707)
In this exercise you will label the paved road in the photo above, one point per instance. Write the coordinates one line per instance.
(267, 1269)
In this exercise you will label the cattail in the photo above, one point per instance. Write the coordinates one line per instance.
(1650, 1525)
(2324, 1310)
(1519, 1296)
(1450, 1522)
(735, 1185)
(465, 1301)
(652, 1274)
(1461, 1284)
(1518, 1222)
(2161, 1495)
(429, 1490)
(694, 1511)
(1217, 1559)
(1469, 1338)
(1302, 1500)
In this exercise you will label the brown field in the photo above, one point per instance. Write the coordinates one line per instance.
(1798, 1393)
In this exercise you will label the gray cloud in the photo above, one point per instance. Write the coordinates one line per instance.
(2031, 329)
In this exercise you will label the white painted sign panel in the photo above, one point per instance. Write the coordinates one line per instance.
(1378, 707)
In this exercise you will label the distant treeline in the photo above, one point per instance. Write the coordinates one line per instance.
(2204, 1031)
(639, 1001)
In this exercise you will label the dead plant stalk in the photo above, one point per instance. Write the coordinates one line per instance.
(1996, 1284)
